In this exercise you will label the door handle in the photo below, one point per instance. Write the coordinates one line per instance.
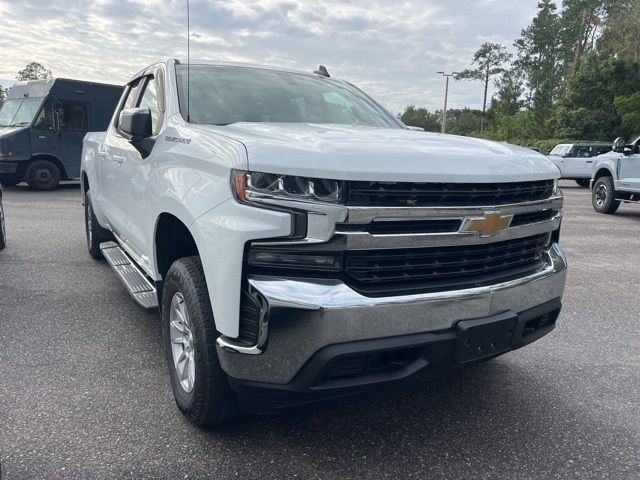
(589, 161)
(118, 159)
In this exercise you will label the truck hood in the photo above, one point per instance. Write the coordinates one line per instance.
(383, 154)
(9, 131)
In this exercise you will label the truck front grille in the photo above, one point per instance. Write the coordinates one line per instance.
(403, 194)
(384, 272)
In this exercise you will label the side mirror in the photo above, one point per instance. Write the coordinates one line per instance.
(136, 123)
(619, 144)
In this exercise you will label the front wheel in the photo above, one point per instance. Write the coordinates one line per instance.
(200, 386)
(43, 175)
(603, 196)
(94, 232)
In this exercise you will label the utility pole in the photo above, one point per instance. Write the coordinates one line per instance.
(446, 94)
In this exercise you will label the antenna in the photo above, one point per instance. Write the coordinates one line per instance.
(188, 64)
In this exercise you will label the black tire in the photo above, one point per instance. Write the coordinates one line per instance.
(9, 180)
(210, 400)
(583, 182)
(94, 232)
(43, 175)
(3, 230)
(603, 196)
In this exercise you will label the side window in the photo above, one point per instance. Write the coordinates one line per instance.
(73, 117)
(582, 152)
(150, 100)
(45, 119)
(132, 97)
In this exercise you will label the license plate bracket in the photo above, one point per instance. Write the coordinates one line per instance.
(484, 337)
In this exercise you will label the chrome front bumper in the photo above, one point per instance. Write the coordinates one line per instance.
(307, 315)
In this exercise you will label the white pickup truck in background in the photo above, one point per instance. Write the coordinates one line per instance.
(616, 177)
(301, 243)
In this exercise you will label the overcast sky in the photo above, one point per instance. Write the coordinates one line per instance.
(391, 49)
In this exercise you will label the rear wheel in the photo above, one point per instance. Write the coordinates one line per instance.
(200, 386)
(603, 196)
(583, 182)
(43, 175)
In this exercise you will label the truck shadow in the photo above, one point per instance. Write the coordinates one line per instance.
(23, 187)
(495, 412)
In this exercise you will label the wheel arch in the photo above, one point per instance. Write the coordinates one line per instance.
(172, 240)
(602, 171)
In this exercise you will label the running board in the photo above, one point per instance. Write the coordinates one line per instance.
(136, 283)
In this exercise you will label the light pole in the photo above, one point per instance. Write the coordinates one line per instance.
(446, 94)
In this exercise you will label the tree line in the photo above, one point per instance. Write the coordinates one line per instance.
(574, 75)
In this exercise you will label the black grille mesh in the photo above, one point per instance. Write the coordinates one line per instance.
(444, 268)
(399, 194)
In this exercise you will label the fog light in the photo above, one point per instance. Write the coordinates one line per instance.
(292, 260)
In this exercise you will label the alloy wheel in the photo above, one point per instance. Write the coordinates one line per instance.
(182, 342)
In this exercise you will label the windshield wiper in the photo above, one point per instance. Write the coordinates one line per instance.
(20, 124)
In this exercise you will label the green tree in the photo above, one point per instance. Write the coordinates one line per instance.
(3, 95)
(579, 21)
(463, 121)
(621, 35)
(33, 71)
(488, 59)
(587, 109)
(508, 97)
(539, 56)
(628, 107)
(421, 117)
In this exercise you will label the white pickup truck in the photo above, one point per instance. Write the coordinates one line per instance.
(301, 243)
(616, 177)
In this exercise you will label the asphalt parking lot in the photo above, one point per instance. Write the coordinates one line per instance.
(84, 391)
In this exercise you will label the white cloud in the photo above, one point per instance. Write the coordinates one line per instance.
(392, 49)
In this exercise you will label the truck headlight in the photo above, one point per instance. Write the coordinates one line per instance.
(249, 186)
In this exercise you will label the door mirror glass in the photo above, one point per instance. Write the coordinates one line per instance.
(136, 123)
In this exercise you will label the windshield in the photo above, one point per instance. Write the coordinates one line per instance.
(19, 111)
(560, 150)
(222, 95)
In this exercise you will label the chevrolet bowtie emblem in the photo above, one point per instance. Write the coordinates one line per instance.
(486, 226)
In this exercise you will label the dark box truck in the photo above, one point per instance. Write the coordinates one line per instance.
(42, 124)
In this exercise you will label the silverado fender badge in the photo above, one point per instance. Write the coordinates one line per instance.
(487, 226)
(186, 141)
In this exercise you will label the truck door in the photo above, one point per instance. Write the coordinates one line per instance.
(73, 119)
(630, 171)
(129, 174)
(45, 139)
(577, 163)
